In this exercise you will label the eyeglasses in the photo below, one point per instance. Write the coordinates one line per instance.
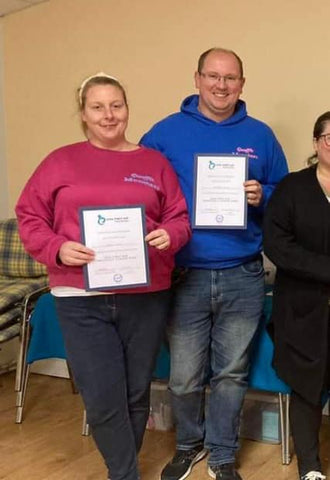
(326, 137)
(214, 78)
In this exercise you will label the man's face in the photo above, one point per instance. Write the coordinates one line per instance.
(220, 84)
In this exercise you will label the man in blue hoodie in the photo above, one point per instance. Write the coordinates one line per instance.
(218, 304)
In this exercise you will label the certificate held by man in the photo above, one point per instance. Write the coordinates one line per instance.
(219, 196)
(117, 237)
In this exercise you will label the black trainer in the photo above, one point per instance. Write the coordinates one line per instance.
(182, 463)
(224, 472)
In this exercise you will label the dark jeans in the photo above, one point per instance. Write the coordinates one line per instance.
(213, 321)
(112, 343)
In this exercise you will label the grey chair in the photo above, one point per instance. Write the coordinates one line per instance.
(41, 339)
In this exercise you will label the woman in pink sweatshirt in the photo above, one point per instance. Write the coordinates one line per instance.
(111, 336)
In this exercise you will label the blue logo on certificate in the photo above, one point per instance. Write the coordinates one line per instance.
(101, 220)
(212, 165)
(219, 218)
(117, 277)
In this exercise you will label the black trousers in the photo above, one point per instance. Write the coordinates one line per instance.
(305, 422)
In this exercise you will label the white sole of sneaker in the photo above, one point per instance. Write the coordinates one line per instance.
(211, 473)
(197, 459)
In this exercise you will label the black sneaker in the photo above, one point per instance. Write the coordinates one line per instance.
(224, 472)
(182, 463)
(313, 475)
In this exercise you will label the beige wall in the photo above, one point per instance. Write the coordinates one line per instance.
(152, 46)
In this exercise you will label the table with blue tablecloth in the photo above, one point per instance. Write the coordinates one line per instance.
(47, 342)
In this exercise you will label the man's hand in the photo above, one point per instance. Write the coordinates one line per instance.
(253, 191)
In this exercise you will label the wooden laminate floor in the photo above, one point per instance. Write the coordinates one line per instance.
(48, 445)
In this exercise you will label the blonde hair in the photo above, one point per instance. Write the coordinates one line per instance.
(99, 78)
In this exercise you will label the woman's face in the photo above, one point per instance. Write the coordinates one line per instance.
(322, 146)
(106, 116)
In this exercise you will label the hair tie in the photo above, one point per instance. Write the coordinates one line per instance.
(99, 74)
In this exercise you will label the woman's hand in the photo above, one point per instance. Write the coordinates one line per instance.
(253, 190)
(159, 239)
(75, 254)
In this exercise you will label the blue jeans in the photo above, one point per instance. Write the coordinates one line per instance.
(214, 319)
(112, 343)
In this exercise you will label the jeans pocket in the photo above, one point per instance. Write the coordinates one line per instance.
(254, 267)
(179, 275)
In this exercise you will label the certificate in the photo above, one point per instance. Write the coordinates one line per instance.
(117, 237)
(219, 195)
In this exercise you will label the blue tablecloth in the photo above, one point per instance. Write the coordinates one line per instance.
(46, 337)
(47, 342)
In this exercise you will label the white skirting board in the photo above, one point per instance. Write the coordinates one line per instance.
(55, 367)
